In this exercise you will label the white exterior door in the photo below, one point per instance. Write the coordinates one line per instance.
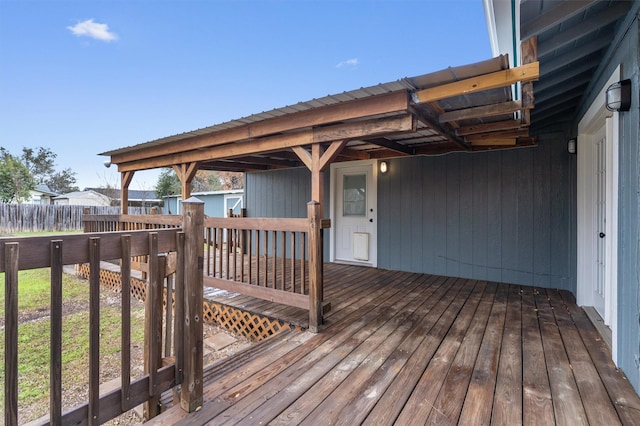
(597, 215)
(600, 207)
(354, 213)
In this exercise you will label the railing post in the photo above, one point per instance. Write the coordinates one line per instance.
(193, 227)
(315, 266)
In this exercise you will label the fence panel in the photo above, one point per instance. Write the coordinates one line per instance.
(40, 217)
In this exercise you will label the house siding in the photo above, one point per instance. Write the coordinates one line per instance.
(625, 51)
(285, 194)
(502, 216)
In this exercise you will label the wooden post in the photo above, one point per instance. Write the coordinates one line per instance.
(193, 227)
(11, 252)
(186, 172)
(124, 191)
(315, 266)
(153, 326)
(55, 370)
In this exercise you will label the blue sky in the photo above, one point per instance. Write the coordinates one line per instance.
(85, 77)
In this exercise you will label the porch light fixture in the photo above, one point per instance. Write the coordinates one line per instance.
(384, 167)
(572, 146)
(619, 96)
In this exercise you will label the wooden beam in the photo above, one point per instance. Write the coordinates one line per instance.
(387, 103)
(494, 142)
(186, 172)
(483, 111)
(489, 127)
(354, 154)
(553, 17)
(231, 166)
(304, 156)
(125, 181)
(436, 126)
(529, 53)
(331, 153)
(317, 176)
(394, 146)
(353, 130)
(509, 134)
(480, 83)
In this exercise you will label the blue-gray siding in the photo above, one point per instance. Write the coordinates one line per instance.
(506, 216)
(625, 51)
(282, 193)
(503, 216)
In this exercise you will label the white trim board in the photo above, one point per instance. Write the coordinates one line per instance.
(597, 117)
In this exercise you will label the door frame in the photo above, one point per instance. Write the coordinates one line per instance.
(333, 184)
(596, 117)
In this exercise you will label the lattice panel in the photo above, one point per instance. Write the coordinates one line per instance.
(111, 280)
(254, 326)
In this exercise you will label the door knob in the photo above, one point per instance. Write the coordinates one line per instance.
(601, 235)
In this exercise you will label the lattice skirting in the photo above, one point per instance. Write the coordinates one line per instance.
(254, 326)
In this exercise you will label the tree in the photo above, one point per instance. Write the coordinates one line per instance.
(168, 183)
(231, 180)
(40, 162)
(204, 180)
(16, 181)
(62, 182)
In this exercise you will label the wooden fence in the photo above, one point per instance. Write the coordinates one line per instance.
(184, 368)
(40, 217)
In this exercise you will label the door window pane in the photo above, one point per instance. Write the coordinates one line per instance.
(354, 202)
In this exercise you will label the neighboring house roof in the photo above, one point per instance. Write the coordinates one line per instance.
(87, 194)
(134, 194)
(44, 190)
(221, 192)
(573, 38)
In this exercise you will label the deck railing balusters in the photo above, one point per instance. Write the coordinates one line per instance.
(94, 331)
(125, 282)
(55, 371)
(11, 255)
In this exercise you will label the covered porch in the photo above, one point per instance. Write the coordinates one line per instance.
(407, 348)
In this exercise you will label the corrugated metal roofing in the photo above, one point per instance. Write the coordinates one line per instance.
(430, 135)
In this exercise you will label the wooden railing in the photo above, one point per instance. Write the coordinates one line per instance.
(275, 259)
(279, 260)
(161, 374)
(128, 222)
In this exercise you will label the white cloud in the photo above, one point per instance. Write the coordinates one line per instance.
(92, 29)
(348, 63)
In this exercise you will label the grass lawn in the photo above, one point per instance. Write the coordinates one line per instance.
(33, 336)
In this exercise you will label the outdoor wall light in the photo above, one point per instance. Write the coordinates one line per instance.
(619, 96)
(384, 167)
(572, 145)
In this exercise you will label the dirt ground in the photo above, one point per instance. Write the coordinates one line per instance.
(110, 365)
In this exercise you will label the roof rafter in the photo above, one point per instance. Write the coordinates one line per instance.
(482, 111)
(553, 17)
(494, 80)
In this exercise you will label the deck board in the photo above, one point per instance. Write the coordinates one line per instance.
(406, 348)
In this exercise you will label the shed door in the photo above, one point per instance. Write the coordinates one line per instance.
(355, 205)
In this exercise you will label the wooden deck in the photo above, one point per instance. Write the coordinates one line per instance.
(404, 348)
